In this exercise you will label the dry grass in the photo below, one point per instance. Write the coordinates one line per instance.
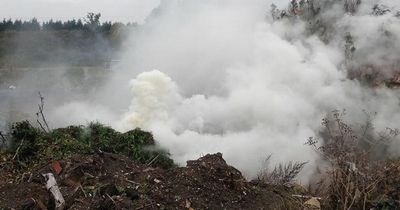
(355, 161)
(282, 175)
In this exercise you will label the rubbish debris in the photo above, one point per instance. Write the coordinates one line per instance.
(111, 181)
(56, 167)
(51, 186)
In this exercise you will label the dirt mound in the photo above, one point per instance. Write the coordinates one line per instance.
(110, 181)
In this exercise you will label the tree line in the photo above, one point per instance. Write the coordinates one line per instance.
(82, 42)
(90, 23)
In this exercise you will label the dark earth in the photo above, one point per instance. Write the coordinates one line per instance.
(110, 181)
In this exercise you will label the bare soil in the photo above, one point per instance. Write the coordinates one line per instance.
(109, 181)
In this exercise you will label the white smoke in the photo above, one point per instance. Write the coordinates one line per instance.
(230, 80)
(155, 95)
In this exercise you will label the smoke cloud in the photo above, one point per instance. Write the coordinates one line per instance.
(222, 76)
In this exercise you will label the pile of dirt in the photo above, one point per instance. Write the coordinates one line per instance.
(111, 181)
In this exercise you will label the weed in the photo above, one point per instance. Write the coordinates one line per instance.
(282, 175)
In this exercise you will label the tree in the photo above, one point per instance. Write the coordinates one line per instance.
(293, 7)
(351, 5)
(32, 25)
(79, 25)
(92, 21)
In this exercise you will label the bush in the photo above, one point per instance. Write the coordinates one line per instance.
(32, 146)
(25, 140)
(357, 164)
(282, 175)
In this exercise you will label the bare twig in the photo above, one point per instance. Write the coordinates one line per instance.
(132, 182)
(30, 177)
(111, 198)
(306, 196)
(40, 124)
(152, 161)
(41, 118)
(84, 193)
(18, 148)
(89, 175)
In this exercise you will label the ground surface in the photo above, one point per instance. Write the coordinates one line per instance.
(109, 181)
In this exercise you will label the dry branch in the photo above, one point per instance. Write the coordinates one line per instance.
(41, 118)
(18, 148)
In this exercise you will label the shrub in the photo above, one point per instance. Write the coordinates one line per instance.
(282, 175)
(32, 146)
(355, 164)
(25, 140)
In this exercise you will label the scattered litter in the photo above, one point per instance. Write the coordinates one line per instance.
(56, 167)
(101, 181)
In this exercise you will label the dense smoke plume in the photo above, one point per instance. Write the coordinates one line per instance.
(223, 76)
(236, 82)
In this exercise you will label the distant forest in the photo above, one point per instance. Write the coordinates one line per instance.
(90, 23)
(87, 42)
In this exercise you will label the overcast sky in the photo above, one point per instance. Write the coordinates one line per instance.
(113, 10)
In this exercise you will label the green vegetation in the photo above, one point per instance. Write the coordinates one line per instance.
(32, 146)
